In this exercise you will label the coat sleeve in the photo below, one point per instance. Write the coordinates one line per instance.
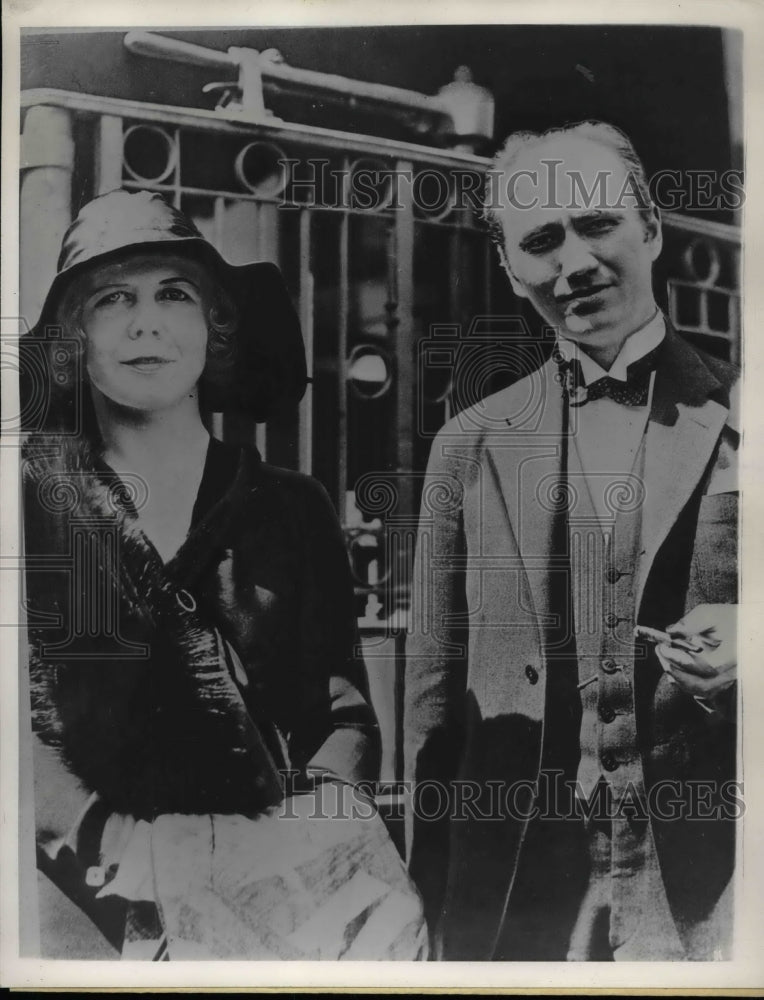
(436, 668)
(714, 576)
(335, 730)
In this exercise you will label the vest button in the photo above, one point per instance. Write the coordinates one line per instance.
(613, 575)
(611, 620)
(609, 762)
(532, 674)
(607, 714)
(609, 666)
(95, 876)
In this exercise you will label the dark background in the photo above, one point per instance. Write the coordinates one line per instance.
(665, 86)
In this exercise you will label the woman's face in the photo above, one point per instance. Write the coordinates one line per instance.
(145, 325)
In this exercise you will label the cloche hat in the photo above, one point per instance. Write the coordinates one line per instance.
(268, 370)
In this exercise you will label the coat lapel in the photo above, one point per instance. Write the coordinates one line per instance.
(682, 433)
(204, 541)
(685, 423)
(525, 462)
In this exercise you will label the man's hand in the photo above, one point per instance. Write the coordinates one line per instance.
(705, 674)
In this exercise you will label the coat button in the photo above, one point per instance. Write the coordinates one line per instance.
(532, 674)
(611, 620)
(607, 714)
(613, 575)
(609, 762)
(609, 666)
(186, 600)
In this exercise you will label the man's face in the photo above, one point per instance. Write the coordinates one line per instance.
(580, 251)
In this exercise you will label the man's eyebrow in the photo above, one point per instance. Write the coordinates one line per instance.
(600, 213)
(547, 229)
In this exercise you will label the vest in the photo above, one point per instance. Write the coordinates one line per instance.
(603, 582)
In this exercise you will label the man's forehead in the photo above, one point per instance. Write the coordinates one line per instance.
(568, 172)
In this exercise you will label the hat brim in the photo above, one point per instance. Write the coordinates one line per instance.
(268, 371)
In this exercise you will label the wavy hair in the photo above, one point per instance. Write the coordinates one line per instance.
(221, 317)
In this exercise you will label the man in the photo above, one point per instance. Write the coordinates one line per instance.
(573, 786)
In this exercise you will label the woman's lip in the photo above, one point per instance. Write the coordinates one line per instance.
(148, 364)
(148, 360)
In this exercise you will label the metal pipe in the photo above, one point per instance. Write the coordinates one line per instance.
(146, 43)
(47, 163)
(344, 86)
(279, 131)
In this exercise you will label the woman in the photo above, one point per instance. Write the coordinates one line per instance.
(193, 664)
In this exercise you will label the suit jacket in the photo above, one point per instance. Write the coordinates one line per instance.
(476, 669)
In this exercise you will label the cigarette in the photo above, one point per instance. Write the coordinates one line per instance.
(587, 682)
(655, 636)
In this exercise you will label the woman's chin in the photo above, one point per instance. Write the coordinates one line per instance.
(156, 400)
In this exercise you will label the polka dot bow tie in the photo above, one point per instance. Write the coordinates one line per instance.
(633, 392)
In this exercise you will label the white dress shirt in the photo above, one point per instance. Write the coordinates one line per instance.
(607, 434)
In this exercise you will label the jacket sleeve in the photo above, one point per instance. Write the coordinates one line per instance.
(435, 689)
(335, 729)
(714, 577)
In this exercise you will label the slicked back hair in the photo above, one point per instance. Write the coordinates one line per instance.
(602, 133)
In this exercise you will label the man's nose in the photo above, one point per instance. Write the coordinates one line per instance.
(575, 257)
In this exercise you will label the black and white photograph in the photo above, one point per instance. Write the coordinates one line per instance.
(377, 401)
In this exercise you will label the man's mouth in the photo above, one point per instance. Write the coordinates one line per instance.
(581, 294)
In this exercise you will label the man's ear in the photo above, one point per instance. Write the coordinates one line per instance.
(517, 287)
(654, 232)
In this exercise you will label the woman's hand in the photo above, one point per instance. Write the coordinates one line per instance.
(707, 673)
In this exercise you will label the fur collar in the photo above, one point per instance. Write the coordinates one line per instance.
(143, 710)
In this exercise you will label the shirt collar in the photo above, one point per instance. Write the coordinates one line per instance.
(636, 346)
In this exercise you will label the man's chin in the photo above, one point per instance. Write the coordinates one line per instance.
(591, 326)
(594, 333)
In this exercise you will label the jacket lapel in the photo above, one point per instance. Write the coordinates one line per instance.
(682, 433)
(205, 540)
(684, 427)
(525, 462)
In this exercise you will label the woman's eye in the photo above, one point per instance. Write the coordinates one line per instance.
(112, 298)
(175, 295)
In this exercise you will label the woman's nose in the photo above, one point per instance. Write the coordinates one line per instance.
(145, 320)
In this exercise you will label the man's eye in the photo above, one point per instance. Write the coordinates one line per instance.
(539, 244)
(596, 226)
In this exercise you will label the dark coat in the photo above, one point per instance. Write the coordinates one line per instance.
(149, 713)
(476, 671)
